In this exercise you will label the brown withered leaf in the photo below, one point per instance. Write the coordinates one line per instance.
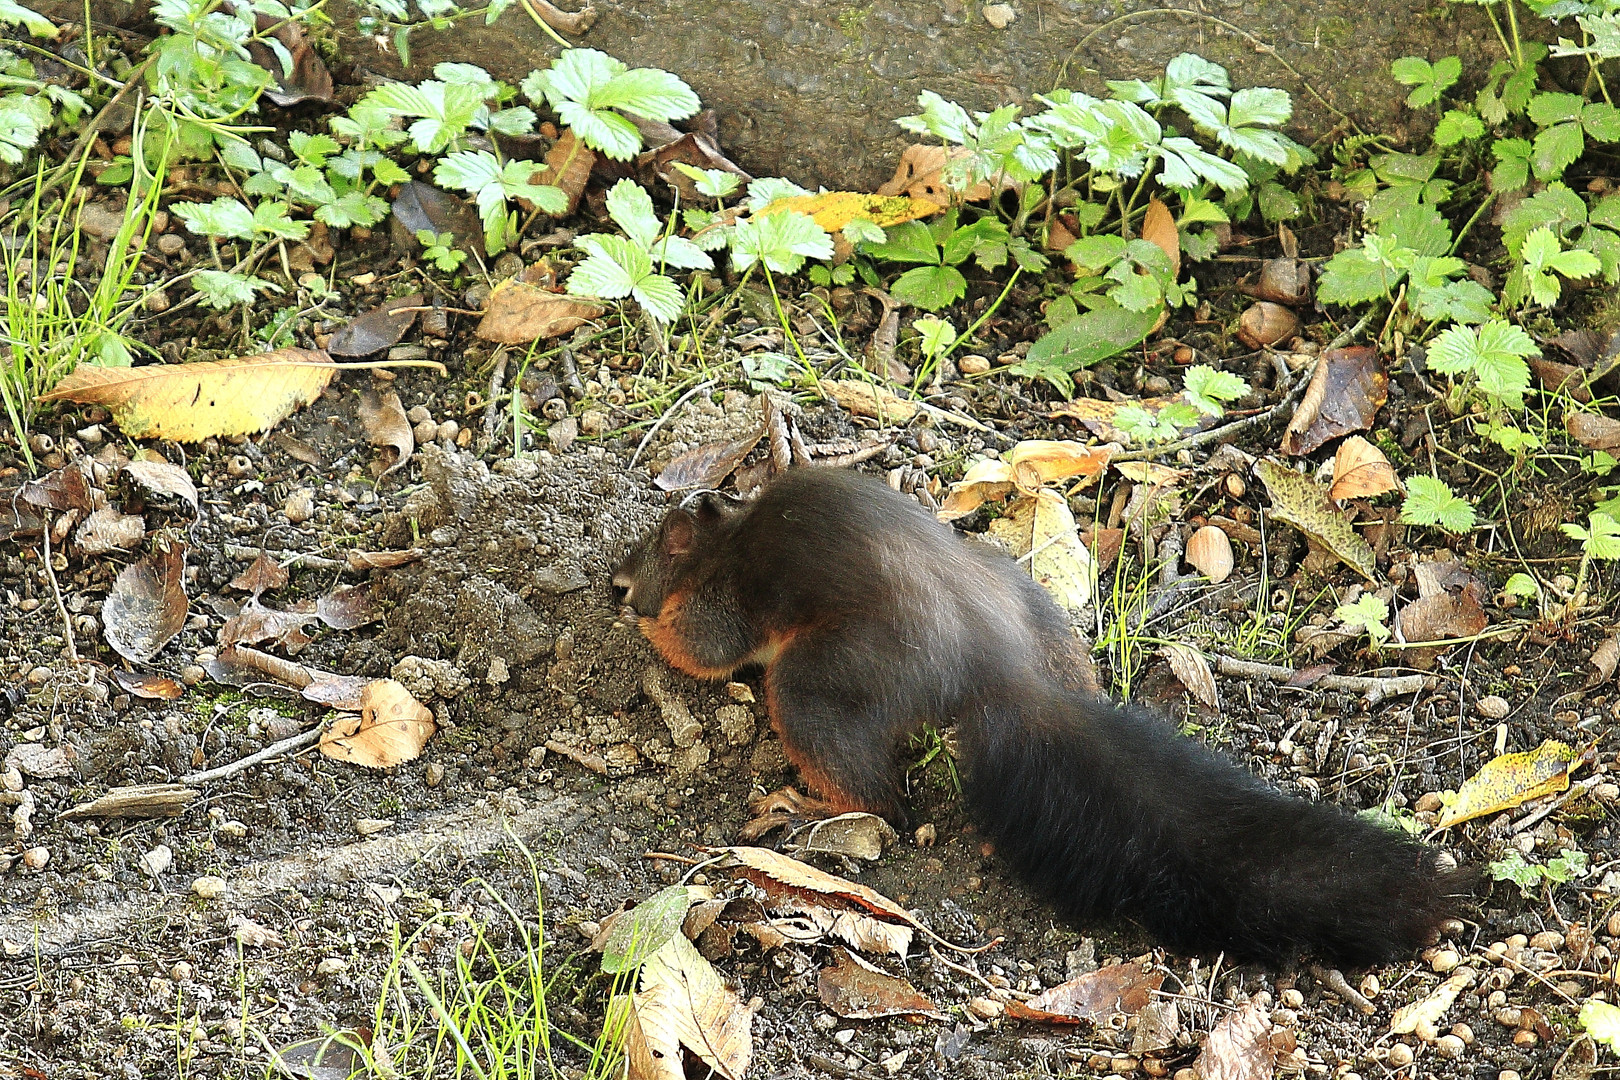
(346, 609)
(706, 466)
(697, 1007)
(153, 687)
(387, 427)
(1603, 661)
(392, 728)
(568, 168)
(263, 575)
(380, 328)
(337, 691)
(256, 623)
(1443, 617)
(308, 79)
(1360, 470)
(870, 399)
(518, 313)
(420, 206)
(1554, 377)
(1159, 228)
(855, 989)
(1239, 1047)
(164, 479)
(1346, 391)
(918, 175)
(1097, 414)
(693, 148)
(1096, 997)
(107, 530)
(1593, 430)
(147, 606)
(381, 560)
(1191, 669)
(60, 489)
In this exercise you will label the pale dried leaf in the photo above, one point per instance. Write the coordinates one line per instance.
(264, 575)
(163, 478)
(383, 417)
(518, 313)
(767, 868)
(1209, 551)
(856, 836)
(1593, 430)
(1192, 670)
(1360, 470)
(1035, 462)
(1304, 504)
(918, 176)
(568, 167)
(1159, 228)
(1604, 659)
(707, 466)
(43, 762)
(151, 687)
(1239, 1047)
(652, 1042)
(704, 1013)
(1059, 563)
(254, 935)
(380, 328)
(392, 728)
(147, 606)
(1427, 1011)
(107, 530)
(190, 402)
(346, 609)
(870, 399)
(1098, 997)
(986, 479)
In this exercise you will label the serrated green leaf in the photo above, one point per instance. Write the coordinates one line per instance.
(1555, 149)
(1430, 502)
(929, 287)
(908, 242)
(1092, 336)
(1351, 277)
(1553, 108)
(645, 929)
(935, 335)
(1599, 1019)
(1369, 613)
(1457, 126)
(1600, 539)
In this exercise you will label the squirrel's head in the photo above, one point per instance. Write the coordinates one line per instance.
(659, 561)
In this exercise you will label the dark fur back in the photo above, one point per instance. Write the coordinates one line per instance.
(1112, 812)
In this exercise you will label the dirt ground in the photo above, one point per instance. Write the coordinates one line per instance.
(506, 627)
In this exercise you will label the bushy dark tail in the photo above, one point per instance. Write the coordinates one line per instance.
(1112, 812)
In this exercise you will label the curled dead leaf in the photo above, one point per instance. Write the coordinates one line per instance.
(1346, 391)
(147, 606)
(1192, 671)
(871, 400)
(1360, 470)
(1239, 1047)
(1098, 997)
(392, 728)
(380, 328)
(383, 417)
(1593, 430)
(855, 989)
(518, 313)
(1159, 228)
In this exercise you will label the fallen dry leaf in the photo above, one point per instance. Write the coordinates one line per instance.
(1209, 551)
(855, 989)
(700, 150)
(43, 762)
(1444, 617)
(420, 206)
(707, 466)
(1593, 430)
(1360, 470)
(918, 176)
(147, 606)
(1604, 659)
(190, 402)
(255, 623)
(387, 427)
(309, 79)
(107, 530)
(392, 728)
(60, 489)
(1157, 1026)
(518, 313)
(346, 609)
(380, 328)
(1346, 391)
(1304, 504)
(1427, 1011)
(695, 1004)
(1159, 228)
(1191, 669)
(1555, 377)
(263, 575)
(782, 877)
(1097, 415)
(652, 1043)
(162, 478)
(1098, 997)
(152, 687)
(833, 210)
(568, 167)
(985, 479)
(381, 560)
(1058, 562)
(1035, 462)
(870, 399)
(1239, 1047)
(254, 935)
(1510, 780)
(855, 836)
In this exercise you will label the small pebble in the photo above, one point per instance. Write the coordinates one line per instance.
(1492, 707)
(1450, 1047)
(1292, 998)
(1428, 802)
(1508, 1017)
(1507, 1074)
(1444, 960)
(209, 887)
(35, 858)
(425, 432)
(332, 965)
(433, 775)
(233, 830)
(192, 674)
(1606, 792)
(1400, 1056)
(1369, 986)
(973, 364)
(448, 431)
(1524, 1039)
(986, 1008)
(171, 243)
(1463, 1032)
(155, 863)
(1548, 939)
(999, 16)
(419, 414)
(182, 972)
(371, 826)
(300, 506)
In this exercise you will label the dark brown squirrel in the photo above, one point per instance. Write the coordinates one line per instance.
(871, 619)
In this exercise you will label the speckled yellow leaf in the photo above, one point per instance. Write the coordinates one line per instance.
(1304, 504)
(1508, 780)
(1036, 462)
(1058, 560)
(191, 402)
(835, 209)
(986, 479)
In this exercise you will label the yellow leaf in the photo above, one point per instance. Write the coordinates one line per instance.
(693, 1004)
(1040, 461)
(1361, 469)
(1427, 1011)
(835, 209)
(191, 402)
(986, 479)
(870, 399)
(392, 727)
(1508, 780)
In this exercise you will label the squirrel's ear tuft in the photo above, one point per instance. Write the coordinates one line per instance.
(680, 533)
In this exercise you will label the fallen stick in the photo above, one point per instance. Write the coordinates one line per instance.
(1373, 689)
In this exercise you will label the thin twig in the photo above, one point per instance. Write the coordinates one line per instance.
(1374, 689)
(682, 400)
(56, 592)
(274, 750)
(1334, 980)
